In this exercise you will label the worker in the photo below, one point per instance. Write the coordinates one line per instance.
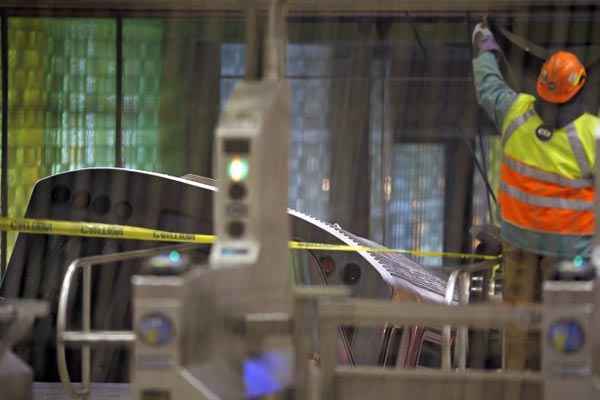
(546, 188)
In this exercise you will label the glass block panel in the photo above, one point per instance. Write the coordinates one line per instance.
(79, 128)
(309, 162)
(61, 99)
(309, 60)
(416, 207)
(233, 56)
(142, 83)
(310, 154)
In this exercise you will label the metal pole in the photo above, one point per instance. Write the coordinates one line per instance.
(4, 176)
(276, 41)
(252, 42)
(447, 329)
(596, 241)
(119, 94)
(301, 346)
(595, 320)
(306, 300)
(86, 356)
(462, 335)
(327, 348)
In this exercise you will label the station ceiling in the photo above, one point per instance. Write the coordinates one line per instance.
(306, 7)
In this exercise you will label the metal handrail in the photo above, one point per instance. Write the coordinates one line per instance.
(462, 276)
(86, 337)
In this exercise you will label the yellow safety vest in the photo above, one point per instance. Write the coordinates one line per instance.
(546, 185)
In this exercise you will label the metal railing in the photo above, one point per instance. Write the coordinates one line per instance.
(86, 337)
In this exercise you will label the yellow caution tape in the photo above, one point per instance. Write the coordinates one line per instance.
(111, 231)
(415, 253)
(93, 229)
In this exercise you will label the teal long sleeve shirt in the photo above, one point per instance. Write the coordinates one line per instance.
(496, 97)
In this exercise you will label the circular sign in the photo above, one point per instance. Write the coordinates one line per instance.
(156, 329)
(566, 336)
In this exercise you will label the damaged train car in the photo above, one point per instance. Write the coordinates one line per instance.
(38, 264)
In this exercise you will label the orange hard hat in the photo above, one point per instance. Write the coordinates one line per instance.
(561, 78)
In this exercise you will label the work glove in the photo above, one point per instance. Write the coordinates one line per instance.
(490, 241)
(483, 39)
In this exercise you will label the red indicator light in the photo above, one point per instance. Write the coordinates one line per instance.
(327, 265)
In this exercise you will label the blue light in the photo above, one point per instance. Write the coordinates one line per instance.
(268, 374)
(578, 261)
(174, 256)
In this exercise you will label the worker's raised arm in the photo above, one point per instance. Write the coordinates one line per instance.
(493, 93)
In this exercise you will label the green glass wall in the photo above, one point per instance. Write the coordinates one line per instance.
(61, 100)
(63, 96)
(142, 75)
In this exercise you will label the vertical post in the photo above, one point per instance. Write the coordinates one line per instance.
(595, 323)
(447, 329)
(306, 306)
(595, 326)
(301, 346)
(86, 356)
(458, 204)
(4, 175)
(327, 348)
(383, 29)
(446, 347)
(253, 46)
(462, 334)
(119, 94)
(276, 40)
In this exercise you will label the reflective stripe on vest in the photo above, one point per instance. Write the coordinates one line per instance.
(549, 177)
(538, 187)
(546, 220)
(516, 124)
(548, 202)
(577, 147)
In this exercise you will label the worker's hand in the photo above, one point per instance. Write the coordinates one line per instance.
(483, 39)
